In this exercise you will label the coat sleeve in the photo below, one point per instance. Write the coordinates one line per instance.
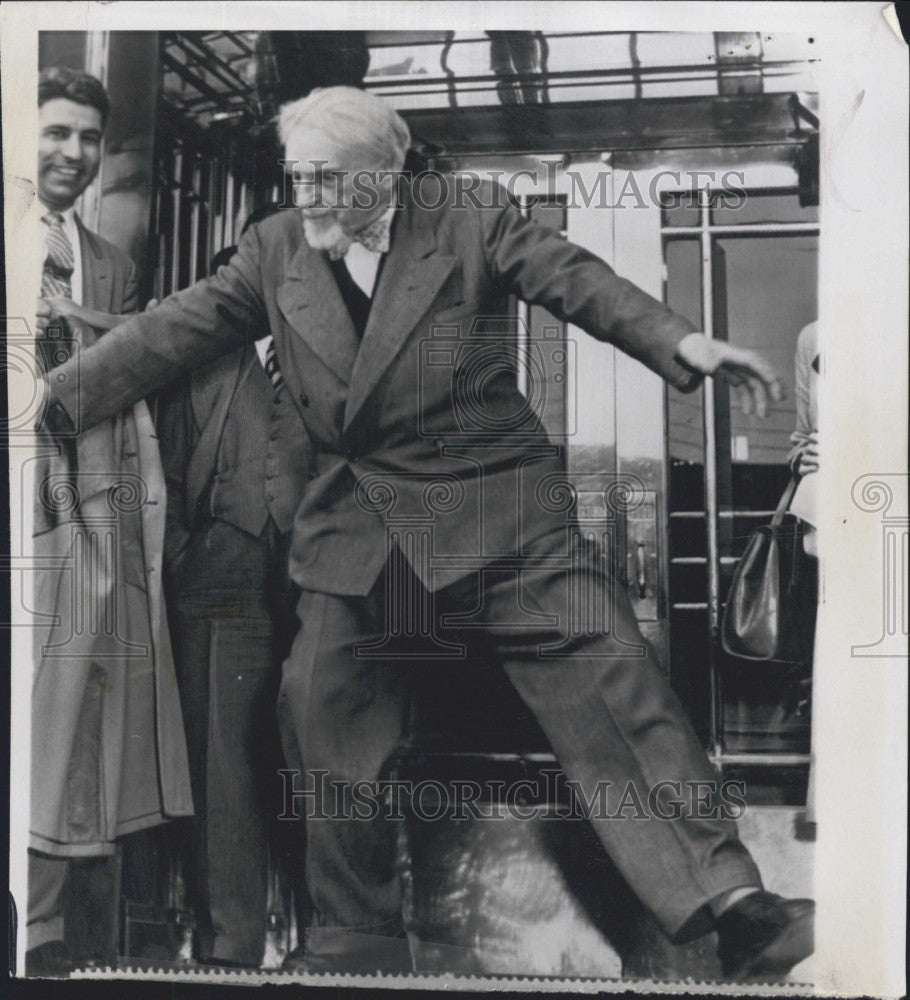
(149, 350)
(542, 268)
(805, 352)
(176, 434)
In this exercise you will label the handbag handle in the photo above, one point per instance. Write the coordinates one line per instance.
(784, 504)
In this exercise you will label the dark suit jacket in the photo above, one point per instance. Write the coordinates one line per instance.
(422, 428)
(221, 435)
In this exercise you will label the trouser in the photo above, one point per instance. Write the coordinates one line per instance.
(74, 900)
(592, 683)
(231, 615)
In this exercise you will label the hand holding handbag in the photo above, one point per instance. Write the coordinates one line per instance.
(766, 617)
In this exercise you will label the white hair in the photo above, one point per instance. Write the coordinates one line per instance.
(358, 120)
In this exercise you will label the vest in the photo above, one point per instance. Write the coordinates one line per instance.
(264, 459)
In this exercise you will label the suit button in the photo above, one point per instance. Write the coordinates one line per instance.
(304, 399)
(273, 436)
(274, 416)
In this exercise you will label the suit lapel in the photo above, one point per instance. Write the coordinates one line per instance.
(97, 281)
(413, 274)
(311, 303)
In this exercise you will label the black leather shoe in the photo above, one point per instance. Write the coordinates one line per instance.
(50, 960)
(763, 936)
(295, 960)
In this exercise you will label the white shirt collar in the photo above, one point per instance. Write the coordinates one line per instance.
(68, 214)
(363, 264)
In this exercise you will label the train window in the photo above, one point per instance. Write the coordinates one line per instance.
(741, 209)
(770, 292)
(744, 272)
(680, 209)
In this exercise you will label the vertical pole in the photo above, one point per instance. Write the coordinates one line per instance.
(177, 195)
(218, 240)
(524, 328)
(710, 442)
(194, 220)
(160, 283)
(96, 63)
(242, 211)
(160, 241)
(210, 249)
(229, 207)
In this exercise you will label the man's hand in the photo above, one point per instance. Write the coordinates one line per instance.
(47, 310)
(746, 370)
(43, 314)
(808, 457)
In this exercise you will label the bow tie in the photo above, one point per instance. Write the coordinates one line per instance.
(375, 236)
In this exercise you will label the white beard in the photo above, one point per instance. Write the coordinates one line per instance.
(325, 233)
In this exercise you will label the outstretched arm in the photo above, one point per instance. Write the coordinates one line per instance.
(580, 288)
(574, 284)
(151, 349)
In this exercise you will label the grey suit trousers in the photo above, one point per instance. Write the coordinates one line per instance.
(231, 621)
(593, 685)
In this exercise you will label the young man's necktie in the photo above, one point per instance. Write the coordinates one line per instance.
(57, 274)
(56, 280)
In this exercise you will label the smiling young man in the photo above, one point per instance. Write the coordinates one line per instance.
(108, 752)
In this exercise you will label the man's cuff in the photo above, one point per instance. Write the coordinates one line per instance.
(676, 372)
(683, 376)
(685, 379)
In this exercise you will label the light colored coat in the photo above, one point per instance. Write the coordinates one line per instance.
(805, 501)
(108, 749)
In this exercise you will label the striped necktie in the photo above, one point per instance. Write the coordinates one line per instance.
(271, 366)
(56, 276)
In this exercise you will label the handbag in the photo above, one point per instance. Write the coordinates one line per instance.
(769, 615)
